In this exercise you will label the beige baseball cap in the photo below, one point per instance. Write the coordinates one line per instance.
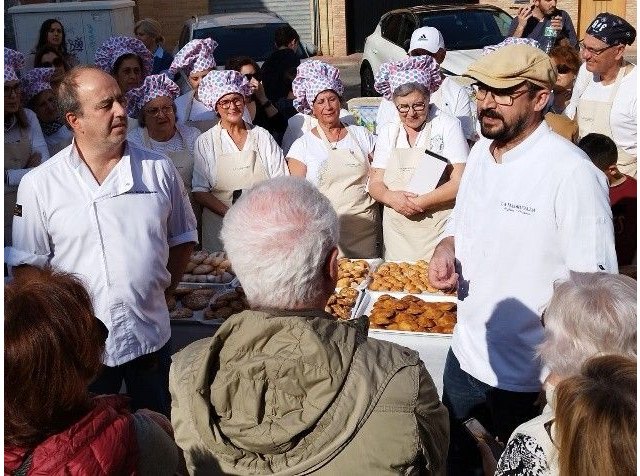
(511, 65)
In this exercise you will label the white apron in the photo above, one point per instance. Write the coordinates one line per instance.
(595, 116)
(409, 238)
(203, 125)
(234, 171)
(343, 180)
(16, 156)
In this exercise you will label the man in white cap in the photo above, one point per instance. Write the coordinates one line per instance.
(530, 208)
(451, 97)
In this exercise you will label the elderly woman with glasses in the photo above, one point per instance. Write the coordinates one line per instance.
(232, 156)
(24, 144)
(589, 314)
(335, 158)
(417, 189)
(154, 107)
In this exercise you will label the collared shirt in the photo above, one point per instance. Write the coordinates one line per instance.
(519, 226)
(115, 236)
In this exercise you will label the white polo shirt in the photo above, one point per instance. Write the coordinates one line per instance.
(115, 236)
(518, 227)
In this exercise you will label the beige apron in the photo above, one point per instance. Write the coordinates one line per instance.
(343, 180)
(233, 171)
(409, 238)
(183, 161)
(204, 126)
(16, 156)
(595, 116)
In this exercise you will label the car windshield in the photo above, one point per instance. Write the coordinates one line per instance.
(468, 29)
(255, 41)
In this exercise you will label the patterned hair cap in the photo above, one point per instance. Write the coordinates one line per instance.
(117, 46)
(197, 55)
(510, 40)
(13, 61)
(220, 83)
(154, 86)
(36, 81)
(313, 77)
(612, 30)
(423, 70)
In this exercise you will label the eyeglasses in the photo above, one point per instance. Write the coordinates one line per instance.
(563, 69)
(500, 96)
(250, 76)
(226, 104)
(417, 107)
(9, 90)
(155, 111)
(52, 64)
(593, 51)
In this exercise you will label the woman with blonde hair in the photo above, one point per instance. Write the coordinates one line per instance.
(596, 416)
(148, 30)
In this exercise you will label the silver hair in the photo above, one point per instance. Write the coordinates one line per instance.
(277, 237)
(408, 88)
(589, 314)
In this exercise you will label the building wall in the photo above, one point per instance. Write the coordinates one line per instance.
(171, 14)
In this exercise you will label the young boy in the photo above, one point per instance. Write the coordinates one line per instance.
(622, 193)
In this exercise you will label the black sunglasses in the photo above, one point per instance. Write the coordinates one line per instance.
(563, 69)
(52, 64)
(250, 76)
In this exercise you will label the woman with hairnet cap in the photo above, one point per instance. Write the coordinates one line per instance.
(24, 145)
(126, 59)
(335, 158)
(232, 156)
(154, 107)
(41, 99)
(413, 222)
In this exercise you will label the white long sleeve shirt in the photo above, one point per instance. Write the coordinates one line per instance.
(518, 227)
(115, 236)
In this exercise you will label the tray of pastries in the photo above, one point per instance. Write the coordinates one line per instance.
(208, 267)
(355, 273)
(411, 278)
(343, 303)
(206, 304)
(410, 313)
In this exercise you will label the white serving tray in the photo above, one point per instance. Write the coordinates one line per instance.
(370, 298)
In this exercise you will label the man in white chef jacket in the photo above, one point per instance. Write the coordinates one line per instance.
(530, 207)
(119, 217)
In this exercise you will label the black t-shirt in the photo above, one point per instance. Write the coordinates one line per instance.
(274, 70)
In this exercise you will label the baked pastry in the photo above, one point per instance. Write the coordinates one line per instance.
(412, 314)
(410, 278)
(340, 304)
(181, 313)
(351, 273)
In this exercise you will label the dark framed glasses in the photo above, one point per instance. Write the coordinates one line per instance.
(250, 76)
(593, 51)
(56, 63)
(417, 107)
(503, 97)
(563, 69)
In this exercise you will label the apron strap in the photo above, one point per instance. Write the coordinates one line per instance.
(189, 106)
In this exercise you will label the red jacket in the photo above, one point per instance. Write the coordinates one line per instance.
(102, 443)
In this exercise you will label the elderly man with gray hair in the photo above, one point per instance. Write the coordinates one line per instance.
(284, 388)
(589, 314)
